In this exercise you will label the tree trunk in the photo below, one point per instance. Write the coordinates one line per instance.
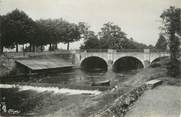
(30, 47)
(33, 48)
(50, 47)
(56, 46)
(41, 47)
(16, 47)
(1, 49)
(68, 44)
(23, 48)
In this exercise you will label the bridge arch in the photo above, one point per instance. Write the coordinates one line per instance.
(94, 63)
(127, 63)
(158, 59)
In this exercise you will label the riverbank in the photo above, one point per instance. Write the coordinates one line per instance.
(163, 101)
(127, 105)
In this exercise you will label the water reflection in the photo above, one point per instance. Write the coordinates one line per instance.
(76, 77)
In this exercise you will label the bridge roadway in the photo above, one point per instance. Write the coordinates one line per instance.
(110, 58)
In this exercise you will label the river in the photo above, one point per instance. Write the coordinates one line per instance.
(74, 77)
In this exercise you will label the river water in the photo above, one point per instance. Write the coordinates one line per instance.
(75, 77)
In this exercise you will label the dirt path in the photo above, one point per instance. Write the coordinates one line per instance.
(164, 101)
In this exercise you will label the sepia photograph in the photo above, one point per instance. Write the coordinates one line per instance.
(90, 58)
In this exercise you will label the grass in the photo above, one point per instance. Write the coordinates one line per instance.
(31, 101)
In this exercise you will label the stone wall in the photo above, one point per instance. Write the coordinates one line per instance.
(122, 104)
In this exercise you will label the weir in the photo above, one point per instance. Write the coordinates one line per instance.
(55, 90)
(37, 64)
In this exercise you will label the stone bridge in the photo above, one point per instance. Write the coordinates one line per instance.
(112, 59)
(115, 60)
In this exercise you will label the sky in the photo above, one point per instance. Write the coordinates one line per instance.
(139, 19)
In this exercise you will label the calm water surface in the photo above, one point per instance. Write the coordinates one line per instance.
(80, 77)
(75, 77)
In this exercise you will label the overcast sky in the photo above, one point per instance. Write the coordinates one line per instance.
(138, 18)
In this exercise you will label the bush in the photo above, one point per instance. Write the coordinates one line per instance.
(173, 68)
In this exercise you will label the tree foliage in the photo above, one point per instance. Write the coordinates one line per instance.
(91, 42)
(47, 33)
(17, 28)
(171, 24)
(110, 37)
(84, 30)
(72, 34)
(161, 43)
(54, 31)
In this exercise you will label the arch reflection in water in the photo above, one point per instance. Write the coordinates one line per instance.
(126, 64)
(94, 64)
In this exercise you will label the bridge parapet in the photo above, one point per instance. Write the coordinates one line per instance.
(125, 50)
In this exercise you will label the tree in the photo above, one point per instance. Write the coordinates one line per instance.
(17, 28)
(161, 43)
(47, 33)
(42, 36)
(171, 25)
(54, 31)
(111, 36)
(92, 42)
(72, 34)
(84, 30)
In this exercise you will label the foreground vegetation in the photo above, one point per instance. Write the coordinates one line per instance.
(172, 27)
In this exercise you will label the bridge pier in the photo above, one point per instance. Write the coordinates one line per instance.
(146, 63)
(146, 60)
(110, 67)
(110, 58)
